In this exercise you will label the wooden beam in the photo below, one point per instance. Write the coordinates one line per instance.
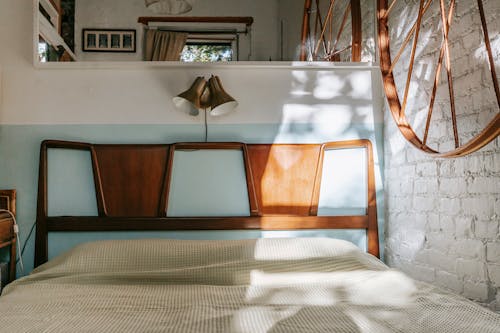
(95, 223)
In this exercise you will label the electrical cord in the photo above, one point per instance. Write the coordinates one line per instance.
(28, 238)
(16, 232)
(206, 127)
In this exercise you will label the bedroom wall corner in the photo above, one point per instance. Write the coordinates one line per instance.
(443, 215)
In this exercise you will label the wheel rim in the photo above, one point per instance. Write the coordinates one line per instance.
(398, 106)
(321, 40)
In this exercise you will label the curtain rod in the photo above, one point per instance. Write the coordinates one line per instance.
(247, 20)
(201, 31)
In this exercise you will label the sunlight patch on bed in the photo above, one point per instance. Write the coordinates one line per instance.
(301, 248)
(244, 319)
(360, 287)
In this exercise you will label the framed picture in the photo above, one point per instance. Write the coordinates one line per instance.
(108, 40)
(8, 200)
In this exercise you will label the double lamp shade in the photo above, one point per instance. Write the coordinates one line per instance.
(204, 95)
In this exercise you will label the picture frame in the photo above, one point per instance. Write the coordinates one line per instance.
(109, 40)
(8, 200)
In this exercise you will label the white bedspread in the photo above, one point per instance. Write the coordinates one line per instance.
(265, 285)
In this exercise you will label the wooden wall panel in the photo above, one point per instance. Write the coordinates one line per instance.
(132, 179)
(284, 177)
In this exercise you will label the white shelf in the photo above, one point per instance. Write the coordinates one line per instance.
(299, 65)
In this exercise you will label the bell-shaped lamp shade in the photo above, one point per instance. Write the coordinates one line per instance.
(220, 101)
(190, 101)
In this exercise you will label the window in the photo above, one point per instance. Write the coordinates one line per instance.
(207, 52)
(47, 52)
(209, 39)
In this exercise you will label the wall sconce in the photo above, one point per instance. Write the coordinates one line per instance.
(203, 95)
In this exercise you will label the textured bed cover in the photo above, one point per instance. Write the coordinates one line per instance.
(265, 285)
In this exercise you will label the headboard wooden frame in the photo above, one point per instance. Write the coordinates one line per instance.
(132, 184)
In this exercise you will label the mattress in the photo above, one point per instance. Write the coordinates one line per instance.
(264, 285)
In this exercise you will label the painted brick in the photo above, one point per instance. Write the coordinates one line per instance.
(492, 163)
(450, 206)
(480, 185)
(432, 218)
(469, 124)
(424, 204)
(483, 208)
(446, 168)
(464, 227)
(486, 229)
(494, 274)
(459, 167)
(439, 241)
(400, 203)
(437, 259)
(428, 169)
(425, 186)
(447, 224)
(476, 291)
(449, 281)
(414, 155)
(471, 269)
(420, 272)
(476, 164)
(421, 220)
(462, 68)
(497, 302)
(469, 248)
(452, 186)
(493, 252)
(406, 171)
(406, 186)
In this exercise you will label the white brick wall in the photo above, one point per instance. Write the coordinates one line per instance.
(443, 215)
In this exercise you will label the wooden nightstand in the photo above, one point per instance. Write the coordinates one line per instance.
(8, 238)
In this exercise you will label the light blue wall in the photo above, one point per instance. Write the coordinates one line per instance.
(294, 102)
(19, 151)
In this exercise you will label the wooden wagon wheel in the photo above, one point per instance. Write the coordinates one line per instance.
(324, 41)
(398, 108)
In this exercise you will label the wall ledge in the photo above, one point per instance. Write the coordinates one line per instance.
(240, 65)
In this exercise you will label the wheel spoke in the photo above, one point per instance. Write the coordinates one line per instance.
(391, 6)
(412, 58)
(445, 29)
(330, 33)
(433, 94)
(342, 26)
(348, 47)
(488, 48)
(306, 31)
(408, 38)
(320, 22)
(436, 79)
(328, 17)
(397, 109)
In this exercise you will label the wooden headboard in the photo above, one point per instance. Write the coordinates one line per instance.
(132, 185)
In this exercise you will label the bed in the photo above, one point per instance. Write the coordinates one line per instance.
(248, 285)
